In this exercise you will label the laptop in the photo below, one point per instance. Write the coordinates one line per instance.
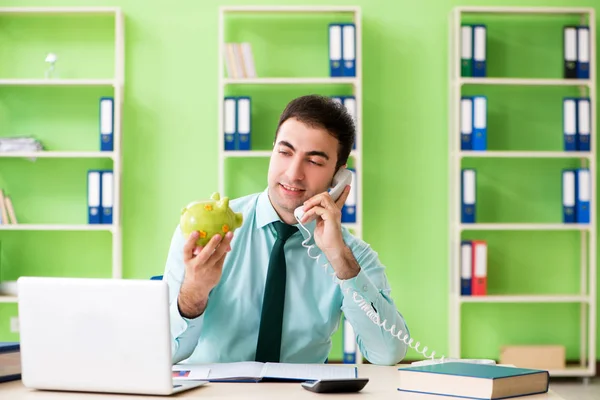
(96, 335)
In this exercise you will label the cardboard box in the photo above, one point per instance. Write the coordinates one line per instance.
(534, 356)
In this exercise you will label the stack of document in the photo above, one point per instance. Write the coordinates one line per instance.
(19, 144)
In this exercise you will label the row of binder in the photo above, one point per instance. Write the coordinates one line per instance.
(576, 52)
(473, 51)
(473, 267)
(100, 196)
(342, 50)
(237, 120)
(576, 195)
(576, 123)
(473, 123)
(106, 117)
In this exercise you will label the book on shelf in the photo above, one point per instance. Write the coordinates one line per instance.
(239, 60)
(237, 123)
(576, 195)
(473, 123)
(576, 123)
(342, 50)
(100, 196)
(7, 211)
(576, 52)
(106, 117)
(473, 267)
(473, 50)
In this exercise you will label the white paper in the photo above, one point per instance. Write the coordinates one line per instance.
(308, 371)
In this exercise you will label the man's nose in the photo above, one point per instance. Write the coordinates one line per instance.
(295, 170)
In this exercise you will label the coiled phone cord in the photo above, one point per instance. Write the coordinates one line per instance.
(366, 307)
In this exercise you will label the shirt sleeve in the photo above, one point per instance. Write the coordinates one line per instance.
(367, 305)
(185, 332)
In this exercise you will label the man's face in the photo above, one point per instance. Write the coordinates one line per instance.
(302, 165)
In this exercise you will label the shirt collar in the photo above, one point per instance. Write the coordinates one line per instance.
(266, 214)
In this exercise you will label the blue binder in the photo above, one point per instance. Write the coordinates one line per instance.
(335, 50)
(569, 190)
(349, 50)
(348, 342)
(468, 186)
(244, 122)
(106, 122)
(583, 52)
(583, 124)
(466, 267)
(466, 123)
(479, 50)
(583, 196)
(479, 123)
(569, 119)
(94, 187)
(107, 190)
(229, 123)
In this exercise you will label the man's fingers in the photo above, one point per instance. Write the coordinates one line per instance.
(208, 250)
(317, 211)
(340, 202)
(224, 246)
(188, 247)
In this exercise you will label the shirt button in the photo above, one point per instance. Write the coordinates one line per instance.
(364, 288)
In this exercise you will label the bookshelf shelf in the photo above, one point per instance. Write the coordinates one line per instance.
(8, 299)
(58, 82)
(459, 79)
(57, 227)
(58, 154)
(523, 227)
(524, 82)
(354, 83)
(290, 81)
(525, 154)
(525, 299)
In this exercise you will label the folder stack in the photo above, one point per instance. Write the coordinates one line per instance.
(473, 51)
(576, 195)
(576, 123)
(342, 50)
(237, 123)
(576, 52)
(473, 267)
(100, 186)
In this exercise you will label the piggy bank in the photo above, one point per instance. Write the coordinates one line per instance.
(209, 217)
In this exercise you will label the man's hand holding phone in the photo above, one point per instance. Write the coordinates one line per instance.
(203, 267)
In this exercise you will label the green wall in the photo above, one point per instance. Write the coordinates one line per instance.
(170, 141)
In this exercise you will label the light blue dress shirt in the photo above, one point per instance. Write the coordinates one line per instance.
(227, 331)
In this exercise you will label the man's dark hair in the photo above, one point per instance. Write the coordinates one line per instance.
(323, 112)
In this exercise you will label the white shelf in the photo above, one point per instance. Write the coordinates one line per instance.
(58, 82)
(586, 253)
(525, 82)
(8, 299)
(525, 154)
(525, 299)
(290, 81)
(524, 227)
(289, 9)
(59, 10)
(57, 154)
(57, 227)
(524, 10)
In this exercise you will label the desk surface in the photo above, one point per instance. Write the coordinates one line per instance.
(382, 385)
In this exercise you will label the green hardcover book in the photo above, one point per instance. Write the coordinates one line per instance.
(473, 381)
(466, 50)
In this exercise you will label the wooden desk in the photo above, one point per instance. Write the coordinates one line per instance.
(382, 385)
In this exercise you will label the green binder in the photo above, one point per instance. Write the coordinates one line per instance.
(466, 50)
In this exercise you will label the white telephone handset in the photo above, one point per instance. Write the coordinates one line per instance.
(342, 178)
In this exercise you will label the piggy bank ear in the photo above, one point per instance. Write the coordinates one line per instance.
(215, 196)
(224, 204)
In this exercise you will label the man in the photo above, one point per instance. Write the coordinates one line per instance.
(226, 305)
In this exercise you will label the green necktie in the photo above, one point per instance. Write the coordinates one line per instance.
(269, 334)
